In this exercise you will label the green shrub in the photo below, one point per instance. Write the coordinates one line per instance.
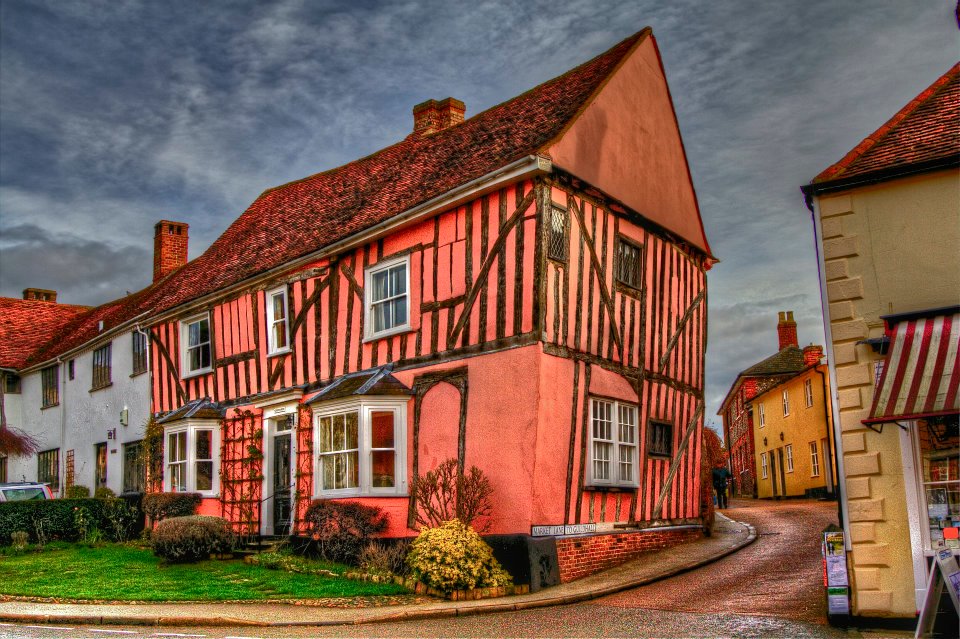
(160, 506)
(20, 540)
(104, 493)
(191, 538)
(120, 519)
(49, 519)
(454, 557)
(77, 492)
(342, 528)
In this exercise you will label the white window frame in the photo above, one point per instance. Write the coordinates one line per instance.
(762, 416)
(617, 443)
(788, 449)
(368, 274)
(364, 407)
(763, 466)
(808, 392)
(272, 348)
(185, 347)
(814, 460)
(786, 402)
(191, 429)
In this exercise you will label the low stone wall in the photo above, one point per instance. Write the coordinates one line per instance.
(582, 556)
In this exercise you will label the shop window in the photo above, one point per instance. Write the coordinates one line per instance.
(613, 443)
(359, 447)
(939, 451)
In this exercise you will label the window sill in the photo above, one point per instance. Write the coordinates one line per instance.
(137, 374)
(282, 351)
(623, 488)
(356, 494)
(406, 328)
(660, 457)
(49, 406)
(627, 289)
(97, 388)
(197, 373)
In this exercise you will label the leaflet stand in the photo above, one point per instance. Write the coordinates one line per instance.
(944, 572)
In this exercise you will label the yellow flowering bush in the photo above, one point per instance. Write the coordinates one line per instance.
(452, 557)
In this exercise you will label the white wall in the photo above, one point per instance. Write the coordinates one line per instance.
(84, 417)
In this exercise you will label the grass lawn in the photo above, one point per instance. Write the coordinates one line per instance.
(125, 573)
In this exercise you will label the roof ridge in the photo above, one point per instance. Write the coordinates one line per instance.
(834, 171)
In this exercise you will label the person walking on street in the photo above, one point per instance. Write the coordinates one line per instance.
(721, 479)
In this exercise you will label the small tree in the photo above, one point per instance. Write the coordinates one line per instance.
(445, 493)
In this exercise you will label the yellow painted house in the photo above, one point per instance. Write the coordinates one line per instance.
(887, 223)
(792, 435)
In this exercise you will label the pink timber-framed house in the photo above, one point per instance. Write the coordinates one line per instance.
(524, 291)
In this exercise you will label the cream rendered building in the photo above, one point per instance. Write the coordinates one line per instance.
(887, 221)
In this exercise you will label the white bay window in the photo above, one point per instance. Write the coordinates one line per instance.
(192, 458)
(360, 447)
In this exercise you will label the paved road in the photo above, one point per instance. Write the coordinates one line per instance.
(770, 589)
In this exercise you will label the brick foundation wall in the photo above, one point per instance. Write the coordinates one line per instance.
(582, 556)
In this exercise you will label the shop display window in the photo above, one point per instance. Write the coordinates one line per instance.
(938, 447)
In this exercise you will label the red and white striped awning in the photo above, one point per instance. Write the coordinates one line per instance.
(922, 371)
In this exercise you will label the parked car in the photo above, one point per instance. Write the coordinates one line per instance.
(23, 491)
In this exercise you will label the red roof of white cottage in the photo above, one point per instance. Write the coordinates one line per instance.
(296, 219)
(925, 130)
(25, 325)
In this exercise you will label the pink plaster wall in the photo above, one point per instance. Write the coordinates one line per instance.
(627, 143)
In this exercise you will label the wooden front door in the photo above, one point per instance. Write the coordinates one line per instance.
(281, 483)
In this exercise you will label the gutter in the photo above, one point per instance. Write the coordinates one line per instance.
(843, 510)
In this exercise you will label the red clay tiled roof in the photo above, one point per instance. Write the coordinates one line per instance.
(26, 325)
(295, 219)
(925, 130)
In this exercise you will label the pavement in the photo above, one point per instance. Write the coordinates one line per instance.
(728, 537)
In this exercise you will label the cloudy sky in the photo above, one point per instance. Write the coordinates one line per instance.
(114, 115)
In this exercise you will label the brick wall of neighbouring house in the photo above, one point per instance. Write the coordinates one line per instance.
(582, 556)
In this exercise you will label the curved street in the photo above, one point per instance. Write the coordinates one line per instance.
(772, 588)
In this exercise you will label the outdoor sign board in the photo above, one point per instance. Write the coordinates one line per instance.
(835, 573)
(560, 529)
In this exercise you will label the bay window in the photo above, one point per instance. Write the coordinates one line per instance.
(359, 447)
(192, 458)
(613, 443)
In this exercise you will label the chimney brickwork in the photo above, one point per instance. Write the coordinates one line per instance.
(436, 115)
(40, 295)
(169, 247)
(812, 354)
(787, 330)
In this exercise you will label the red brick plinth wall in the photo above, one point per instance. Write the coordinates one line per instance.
(582, 556)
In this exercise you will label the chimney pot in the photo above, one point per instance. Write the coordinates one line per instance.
(40, 295)
(812, 354)
(787, 330)
(435, 115)
(169, 247)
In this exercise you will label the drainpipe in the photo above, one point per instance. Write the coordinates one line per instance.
(842, 510)
(831, 476)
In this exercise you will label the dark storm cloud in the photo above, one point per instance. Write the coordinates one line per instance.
(114, 115)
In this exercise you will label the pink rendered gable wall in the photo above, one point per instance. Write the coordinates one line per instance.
(627, 144)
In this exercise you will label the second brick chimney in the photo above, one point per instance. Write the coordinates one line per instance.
(40, 295)
(169, 247)
(812, 354)
(787, 330)
(436, 115)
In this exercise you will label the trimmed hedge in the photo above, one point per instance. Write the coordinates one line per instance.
(160, 506)
(56, 518)
(185, 539)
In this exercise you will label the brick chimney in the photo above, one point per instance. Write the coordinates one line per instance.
(812, 354)
(169, 247)
(435, 115)
(787, 330)
(40, 295)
